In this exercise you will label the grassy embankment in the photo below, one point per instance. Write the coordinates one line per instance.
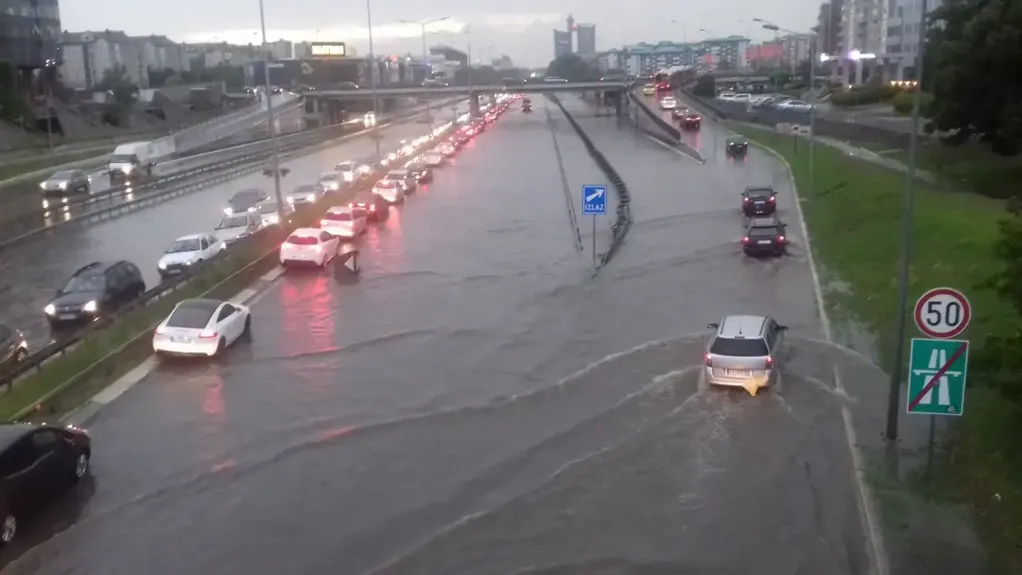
(27, 165)
(856, 231)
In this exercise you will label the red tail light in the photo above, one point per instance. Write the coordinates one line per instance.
(350, 205)
(161, 330)
(205, 335)
(773, 199)
(324, 222)
(745, 240)
(745, 199)
(708, 359)
(780, 239)
(769, 362)
(372, 208)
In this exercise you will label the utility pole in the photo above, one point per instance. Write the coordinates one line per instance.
(425, 56)
(894, 389)
(271, 127)
(374, 68)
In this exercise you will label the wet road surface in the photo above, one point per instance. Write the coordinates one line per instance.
(477, 403)
(33, 270)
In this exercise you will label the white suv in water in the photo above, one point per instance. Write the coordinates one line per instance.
(743, 352)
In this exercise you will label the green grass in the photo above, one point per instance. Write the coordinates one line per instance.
(54, 375)
(26, 166)
(854, 216)
(970, 167)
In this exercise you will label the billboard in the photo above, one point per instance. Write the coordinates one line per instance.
(327, 50)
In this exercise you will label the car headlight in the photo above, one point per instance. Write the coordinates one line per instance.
(127, 169)
(161, 265)
(273, 219)
(290, 200)
(189, 262)
(310, 198)
(228, 212)
(62, 185)
(50, 309)
(90, 306)
(42, 185)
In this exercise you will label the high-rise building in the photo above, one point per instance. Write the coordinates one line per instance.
(30, 33)
(586, 41)
(562, 44)
(828, 27)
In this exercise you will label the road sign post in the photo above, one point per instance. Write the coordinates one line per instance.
(594, 203)
(942, 313)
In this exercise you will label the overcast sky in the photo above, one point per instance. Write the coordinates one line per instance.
(519, 29)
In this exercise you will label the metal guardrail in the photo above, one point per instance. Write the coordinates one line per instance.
(840, 130)
(37, 361)
(623, 222)
(667, 132)
(242, 164)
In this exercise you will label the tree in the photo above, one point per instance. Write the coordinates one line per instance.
(159, 76)
(116, 82)
(976, 52)
(572, 68)
(998, 362)
(706, 87)
(13, 106)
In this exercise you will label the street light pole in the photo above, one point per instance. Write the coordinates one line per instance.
(374, 68)
(894, 390)
(271, 128)
(425, 56)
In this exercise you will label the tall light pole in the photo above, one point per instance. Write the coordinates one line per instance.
(271, 128)
(425, 55)
(374, 68)
(774, 28)
(894, 391)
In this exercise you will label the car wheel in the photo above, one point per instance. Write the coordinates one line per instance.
(8, 528)
(81, 468)
(247, 331)
(220, 346)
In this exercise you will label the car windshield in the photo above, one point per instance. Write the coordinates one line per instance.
(304, 189)
(64, 175)
(303, 240)
(346, 167)
(396, 176)
(247, 196)
(386, 184)
(190, 317)
(233, 222)
(764, 232)
(736, 141)
(727, 346)
(329, 178)
(337, 217)
(759, 193)
(268, 208)
(85, 283)
(122, 158)
(183, 245)
(416, 166)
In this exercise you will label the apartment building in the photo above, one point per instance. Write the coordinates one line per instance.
(902, 37)
(89, 56)
(861, 43)
(30, 33)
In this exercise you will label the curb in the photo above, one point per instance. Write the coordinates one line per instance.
(867, 507)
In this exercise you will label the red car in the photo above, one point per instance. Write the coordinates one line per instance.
(690, 121)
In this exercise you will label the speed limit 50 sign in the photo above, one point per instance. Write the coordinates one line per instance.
(943, 313)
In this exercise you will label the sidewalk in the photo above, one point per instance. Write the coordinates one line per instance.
(860, 153)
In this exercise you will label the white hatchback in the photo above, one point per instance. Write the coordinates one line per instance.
(668, 103)
(201, 327)
(309, 246)
(391, 191)
(345, 222)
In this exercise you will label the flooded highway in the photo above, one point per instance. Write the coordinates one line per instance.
(477, 402)
(33, 270)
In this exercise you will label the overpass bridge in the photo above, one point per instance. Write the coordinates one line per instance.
(317, 100)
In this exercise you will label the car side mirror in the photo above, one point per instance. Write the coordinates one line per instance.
(712, 325)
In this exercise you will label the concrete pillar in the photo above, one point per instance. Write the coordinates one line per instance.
(473, 104)
(618, 108)
(858, 71)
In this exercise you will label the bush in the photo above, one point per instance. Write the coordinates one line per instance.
(903, 102)
(864, 95)
(705, 87)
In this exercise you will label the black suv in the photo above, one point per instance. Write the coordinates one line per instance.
(765, 237)
(94, 290)
(375, 207)
(759, 201)
(736, 146)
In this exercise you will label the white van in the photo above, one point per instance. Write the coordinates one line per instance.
(132, 160)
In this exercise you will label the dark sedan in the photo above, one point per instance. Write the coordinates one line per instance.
(67, 181)
(759, 201)
(422, 173)
(37, 463)
(736, 146)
